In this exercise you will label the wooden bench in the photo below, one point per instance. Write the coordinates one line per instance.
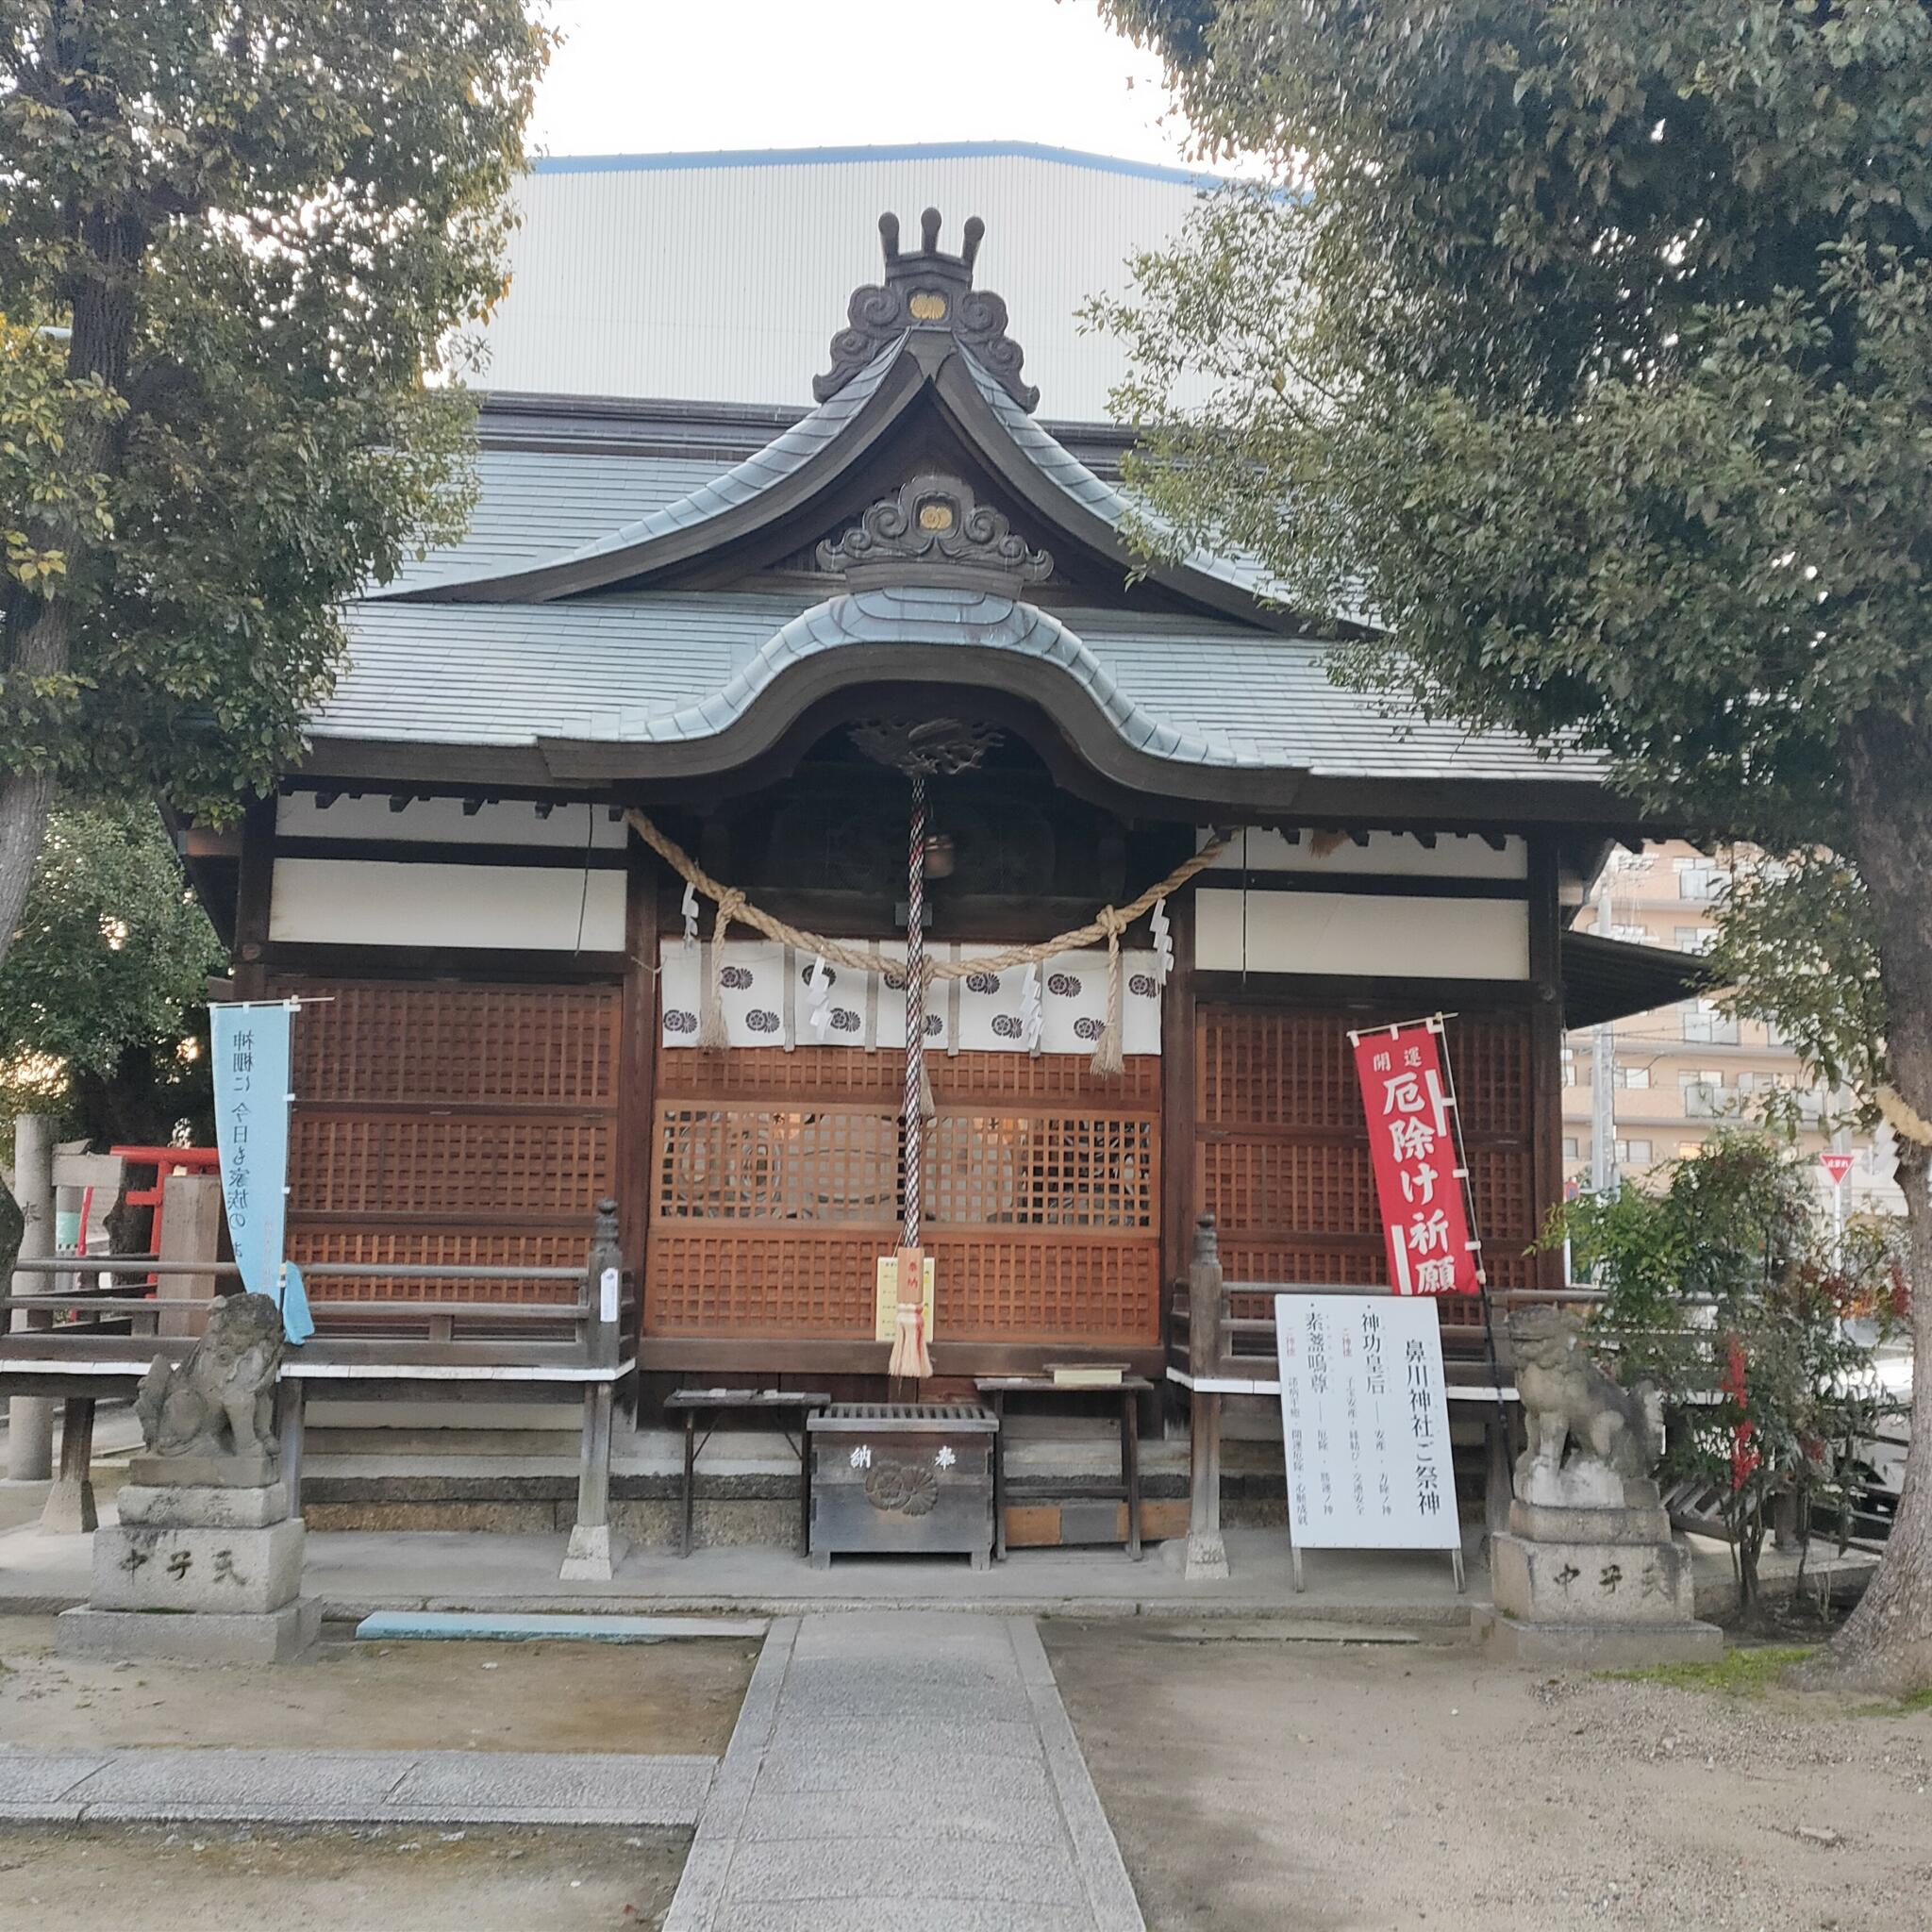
(695, 1403)
(404, 1350)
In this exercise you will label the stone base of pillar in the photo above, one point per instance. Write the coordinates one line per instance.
(69, 1509)
(594, 1555)
(1206, 1558)
(195, 1636)
(1595, 1647)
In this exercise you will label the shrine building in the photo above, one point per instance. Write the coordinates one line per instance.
(754, 628)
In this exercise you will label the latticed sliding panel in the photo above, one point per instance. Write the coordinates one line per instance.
(1327, 1186)
(390, 1165)
(1042, 1171)
(830, 1075)
(1047, 1288)
(459, 1124)
(783, 1284)
(430, 1247)
(380, 1041)
(763, 1164)
(1282, 1152)
(777, 1185)
(768, 1282)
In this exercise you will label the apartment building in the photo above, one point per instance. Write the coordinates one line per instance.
(1678, 1073)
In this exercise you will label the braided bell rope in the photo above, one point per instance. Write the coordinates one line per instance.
(1108, 923)
(915, 1005)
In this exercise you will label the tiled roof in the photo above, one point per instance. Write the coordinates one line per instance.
(707, 496)
(652, 666)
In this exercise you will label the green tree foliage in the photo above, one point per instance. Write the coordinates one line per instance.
(1795, 947)
(101, 996)
(1727, 1291)
(260, 232)
(1587, 348)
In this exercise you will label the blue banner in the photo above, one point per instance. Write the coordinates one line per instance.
(252, 1096)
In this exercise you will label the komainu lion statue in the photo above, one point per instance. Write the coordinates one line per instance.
(221, 1400)
(1568, 1400)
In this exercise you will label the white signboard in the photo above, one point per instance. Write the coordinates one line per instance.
(1364, 1423)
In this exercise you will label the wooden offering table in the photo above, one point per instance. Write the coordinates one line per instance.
(779, 1405)
(1127, 1392)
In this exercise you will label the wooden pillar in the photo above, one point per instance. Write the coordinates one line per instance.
(291, 1398)
(254, 896)
(191, 1231)
(1545, 1124)
(30, 1418)
(1180, 1103)
(69, 1509)
(637, 1118)
(594, 1553)
(1206, 1552)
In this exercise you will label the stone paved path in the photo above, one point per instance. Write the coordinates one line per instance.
(354, 1787)
(895, 1772)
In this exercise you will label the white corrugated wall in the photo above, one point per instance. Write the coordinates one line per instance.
(725, 283)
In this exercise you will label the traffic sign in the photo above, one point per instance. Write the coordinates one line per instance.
(1836, 1166)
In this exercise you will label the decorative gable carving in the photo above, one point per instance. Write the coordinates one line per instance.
(934, 531)
(926, 292)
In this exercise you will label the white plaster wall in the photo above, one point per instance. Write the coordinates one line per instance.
(442, 820)
(1358, 935)
(373, 903)
(1395, 854)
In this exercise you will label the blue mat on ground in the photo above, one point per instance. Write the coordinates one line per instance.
(532, 1626)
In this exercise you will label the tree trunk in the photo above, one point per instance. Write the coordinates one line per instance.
(1887, 1643)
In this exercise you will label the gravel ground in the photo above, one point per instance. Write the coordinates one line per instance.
(215, 1878)
(1282, 1787)
(678, 1697)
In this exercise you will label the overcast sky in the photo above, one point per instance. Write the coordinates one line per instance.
(645, 76)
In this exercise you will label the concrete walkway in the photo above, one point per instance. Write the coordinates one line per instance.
(359, 1572)
(899, 1771)
(354, 1787)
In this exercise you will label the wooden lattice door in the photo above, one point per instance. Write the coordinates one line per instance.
(1282, 1148)
(776, 1185)
(459, 1124)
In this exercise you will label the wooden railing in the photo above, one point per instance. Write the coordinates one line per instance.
(112, 1326)
(1209, 1342)
(80, 1342)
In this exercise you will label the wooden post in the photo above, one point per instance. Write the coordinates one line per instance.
(30, 1418)
(191, 1231)
(69, 1509)
(594, 1553)
(1206, 1552)
(291, 1402)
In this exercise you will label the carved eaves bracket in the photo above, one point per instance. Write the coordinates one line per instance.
(934, 531)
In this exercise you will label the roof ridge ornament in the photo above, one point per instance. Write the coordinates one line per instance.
(926, 291)
(932, 530)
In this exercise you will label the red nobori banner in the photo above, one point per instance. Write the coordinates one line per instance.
(1417, 1153)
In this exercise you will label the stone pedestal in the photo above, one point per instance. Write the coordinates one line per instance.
(1587, 1573)
(205, 1565)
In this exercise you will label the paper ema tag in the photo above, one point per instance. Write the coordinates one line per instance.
(885, 1324)
(608, 1285)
